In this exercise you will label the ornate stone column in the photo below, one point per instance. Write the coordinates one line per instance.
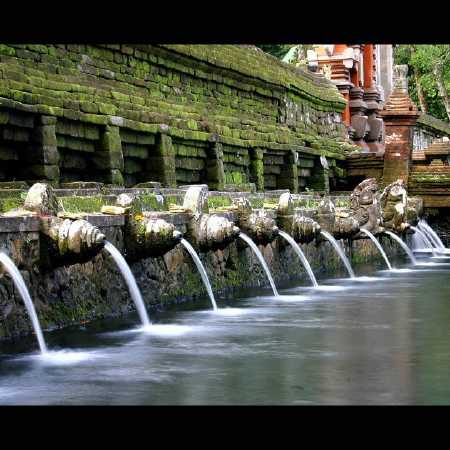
(400, 116)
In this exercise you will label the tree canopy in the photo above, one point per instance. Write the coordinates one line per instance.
(428, 76)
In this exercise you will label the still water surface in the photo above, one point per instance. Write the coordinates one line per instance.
(380, 339)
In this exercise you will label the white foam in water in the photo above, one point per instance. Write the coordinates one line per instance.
(168, 330)
(405, 270)
(65, 357)
(231, 311)
(293, 298)
(330, 288)
(364, 279)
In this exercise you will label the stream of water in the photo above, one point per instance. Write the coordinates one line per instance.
(261, 259)
(130, 281)
(387, 344)
(302, 257)
(201, 270)
(339, 251)
(19, 282)
(378, 246)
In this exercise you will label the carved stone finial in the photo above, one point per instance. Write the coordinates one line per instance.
(196, 199)
(41, 199)
(400, 78)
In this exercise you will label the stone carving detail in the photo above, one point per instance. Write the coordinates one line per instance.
(302, 229)
(73, 237)
(394, 206)
(42, 200)
(64, 241)
(211, 231)
(414, 210)
(206, 231)
(365, 205)
(340, 224)
(257, 224)
(400, 77)
(145, 235)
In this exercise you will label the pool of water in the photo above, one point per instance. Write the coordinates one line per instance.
(383, 338)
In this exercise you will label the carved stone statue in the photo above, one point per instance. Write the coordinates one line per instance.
(394, 206)
(365, 205)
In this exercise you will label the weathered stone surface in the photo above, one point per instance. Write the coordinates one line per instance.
(394, 206)
(365, 205)
(41, 199)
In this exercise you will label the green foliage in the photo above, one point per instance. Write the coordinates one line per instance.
(277, 50)
(7, 204)
(422, 59)
(218, 201)
(77, 204)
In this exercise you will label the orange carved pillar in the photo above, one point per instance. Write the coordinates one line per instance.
(368, 65)
(346, 112)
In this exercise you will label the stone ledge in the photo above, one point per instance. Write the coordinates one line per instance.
(19, 224)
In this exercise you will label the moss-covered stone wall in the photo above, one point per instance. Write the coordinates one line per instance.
(177, 114)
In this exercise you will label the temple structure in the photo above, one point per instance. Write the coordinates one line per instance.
(358, 71)
(395, 139)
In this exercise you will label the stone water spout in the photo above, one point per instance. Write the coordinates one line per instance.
(414, 210)
(340, 224)
(145, 235)
(64, 241)
(206, 231)
(302, 229)
(393, 202)
(365, 206)
(258, 225)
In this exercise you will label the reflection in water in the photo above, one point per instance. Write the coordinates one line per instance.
(387, 341)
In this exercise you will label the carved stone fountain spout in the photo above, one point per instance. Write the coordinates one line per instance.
(206, 231)
(365, 205)
(258, 225)
(339, 223)
(394, 207)
(414, 210)
(63, 241)
(145, 235)
(302, 229)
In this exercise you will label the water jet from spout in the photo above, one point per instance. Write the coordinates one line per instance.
(425, 239)
(261, 259)
(130, 281)
(201, 270)
(339, 251)
(301, 255)
(378, 245)
(403, 245)
(423, 225)
(19, 282)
